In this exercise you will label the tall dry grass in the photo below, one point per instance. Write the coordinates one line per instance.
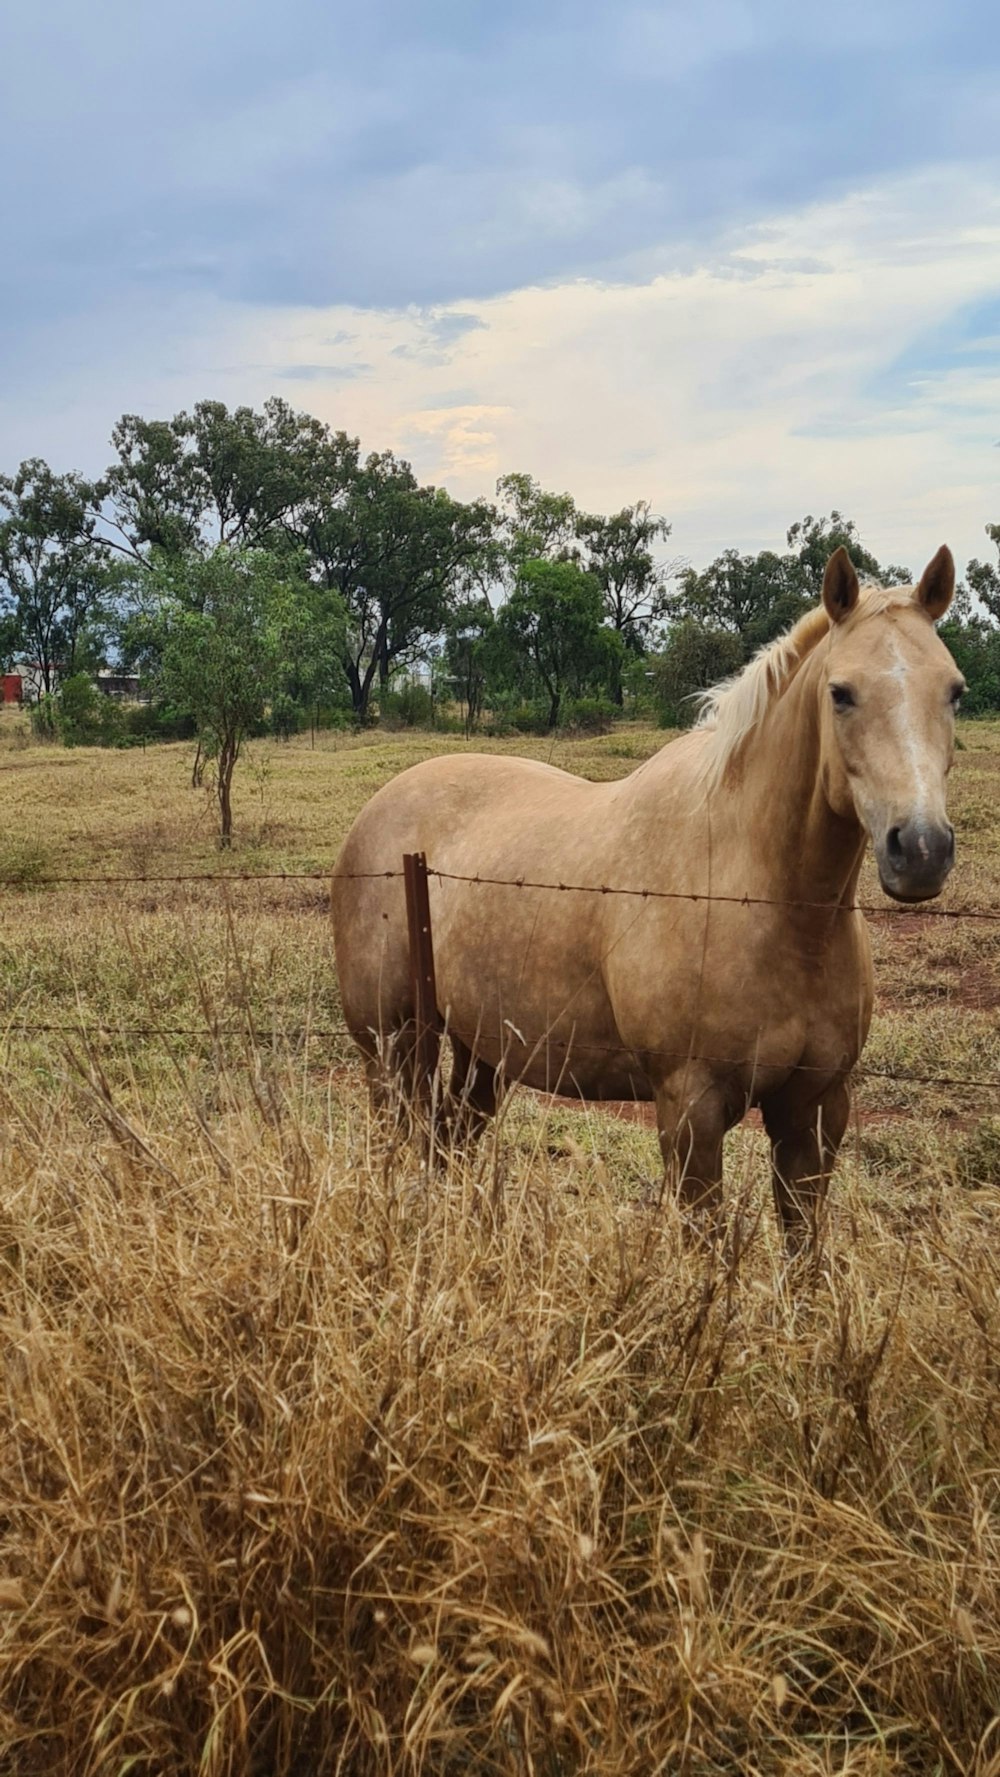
(313, 1464)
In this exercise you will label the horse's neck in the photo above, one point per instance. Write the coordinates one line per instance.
(776, 797)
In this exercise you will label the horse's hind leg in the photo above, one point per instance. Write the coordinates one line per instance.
(474, 1094)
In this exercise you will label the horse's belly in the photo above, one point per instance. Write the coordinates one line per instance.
(534, 1002)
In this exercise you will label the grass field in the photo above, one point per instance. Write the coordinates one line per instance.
(311, 1465)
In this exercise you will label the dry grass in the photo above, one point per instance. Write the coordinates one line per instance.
(312, 1465)
(309, 1464)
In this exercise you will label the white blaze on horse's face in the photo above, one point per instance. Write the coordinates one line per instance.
(892, 691)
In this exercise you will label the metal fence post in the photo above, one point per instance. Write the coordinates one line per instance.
(425, 1006)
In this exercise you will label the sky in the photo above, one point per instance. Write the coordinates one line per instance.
(739, 258)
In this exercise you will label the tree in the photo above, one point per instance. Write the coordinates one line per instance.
(52, 566)
(398, 554)
(984, 579)
(757, 597)
(210, 477)
(532, 525)
(694, 658)
(229, 625)
(467, 633)
(813, 541)
(551, 631)
(633, 583)
(754, 597)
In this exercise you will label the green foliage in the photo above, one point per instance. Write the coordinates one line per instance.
(549, 637)
(694, 658)
(399, 555)
(231, 629)
(758, 597)
(466, 654)
(410, 706)
(752, 597)
(532, 525)
(85, 717)
(634, 585)
(210, 477)
(590, 715)
(52, 566)
(975, 644)
(157, 721)
(813, 541)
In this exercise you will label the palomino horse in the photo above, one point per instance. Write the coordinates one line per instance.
(744, 976)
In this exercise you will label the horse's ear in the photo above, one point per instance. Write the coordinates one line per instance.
(937, 584)
(840, 586)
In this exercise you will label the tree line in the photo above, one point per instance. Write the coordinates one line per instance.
(254, 566)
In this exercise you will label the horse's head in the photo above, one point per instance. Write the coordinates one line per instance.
(890, 693)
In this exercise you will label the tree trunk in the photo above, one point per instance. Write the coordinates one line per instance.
(359, 690)
(555, 698)
(228, 754)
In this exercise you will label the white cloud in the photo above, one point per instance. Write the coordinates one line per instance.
(735, 396)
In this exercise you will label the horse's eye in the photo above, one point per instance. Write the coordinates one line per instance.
(843, 697)
(956, 695)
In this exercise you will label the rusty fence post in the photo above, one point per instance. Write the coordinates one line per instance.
(425, 1006)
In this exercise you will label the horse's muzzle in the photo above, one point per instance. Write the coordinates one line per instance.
(914, 860)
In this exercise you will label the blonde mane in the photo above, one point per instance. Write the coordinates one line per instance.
(730, 711)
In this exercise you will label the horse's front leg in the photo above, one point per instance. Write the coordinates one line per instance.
(805, 1136)
(692, 1117)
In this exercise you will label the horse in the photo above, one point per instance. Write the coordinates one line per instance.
(705, 951)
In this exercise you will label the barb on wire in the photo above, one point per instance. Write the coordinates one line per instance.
(694, 897)
(697, 896)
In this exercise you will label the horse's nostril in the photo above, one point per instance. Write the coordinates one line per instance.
(951, 845)
(894, 846)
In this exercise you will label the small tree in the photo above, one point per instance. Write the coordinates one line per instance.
(229, 626)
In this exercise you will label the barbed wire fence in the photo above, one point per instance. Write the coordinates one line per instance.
(421, 952)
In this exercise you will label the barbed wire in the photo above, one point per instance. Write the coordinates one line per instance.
(698, 896)
(257, 1035)
(692, 896)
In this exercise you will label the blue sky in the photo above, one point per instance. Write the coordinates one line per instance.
(742, 259)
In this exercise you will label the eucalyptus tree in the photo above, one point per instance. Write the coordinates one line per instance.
(53, 579)
(549, 634)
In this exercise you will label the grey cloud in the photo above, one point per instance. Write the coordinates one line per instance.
(403, 155)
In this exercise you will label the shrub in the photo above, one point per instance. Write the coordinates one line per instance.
(86, 718)
(694, 658)
(412, 706)
(527, 718)
(158, 721)
(590, 715)
(287, 717)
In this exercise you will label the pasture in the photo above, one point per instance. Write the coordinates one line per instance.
(309, 1464)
